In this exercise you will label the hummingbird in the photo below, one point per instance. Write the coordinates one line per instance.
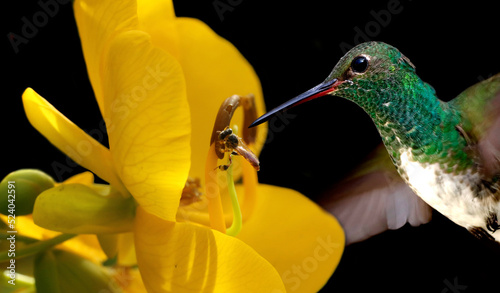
(448, 153)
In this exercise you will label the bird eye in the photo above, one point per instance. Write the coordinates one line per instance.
(359, 64)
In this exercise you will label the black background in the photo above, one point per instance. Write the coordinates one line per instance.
(293, 46)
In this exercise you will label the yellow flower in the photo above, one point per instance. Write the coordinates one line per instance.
(159, 80)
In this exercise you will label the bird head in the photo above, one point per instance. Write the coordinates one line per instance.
(371, 74)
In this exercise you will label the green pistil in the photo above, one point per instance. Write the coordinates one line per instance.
(237, 218)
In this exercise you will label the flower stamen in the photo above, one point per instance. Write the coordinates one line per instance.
(212, 192)
(224, 140)
(191, 192)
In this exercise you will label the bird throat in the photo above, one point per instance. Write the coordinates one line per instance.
(424, 128)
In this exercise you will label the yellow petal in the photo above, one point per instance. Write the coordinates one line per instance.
(149, 122)
(129, 279)
(68, 137)
(126, 250)
(85, 178)
(303, 242)
(179, 257)
(155, 10)
(98, 22)
(87, 246)
(157, 18)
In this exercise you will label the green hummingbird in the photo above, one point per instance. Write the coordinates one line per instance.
(448, 153)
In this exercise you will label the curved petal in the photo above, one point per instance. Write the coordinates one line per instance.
(179, 257)
(69, 138)
(157, 18)
(98, 22)
(85, 178)
(303, 242)
(148, 122)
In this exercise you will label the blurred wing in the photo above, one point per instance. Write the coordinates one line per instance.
(479, 106)
(374, 200)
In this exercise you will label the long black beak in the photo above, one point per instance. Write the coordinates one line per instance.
(318, 91)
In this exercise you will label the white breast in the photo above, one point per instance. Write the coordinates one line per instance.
(449, 194)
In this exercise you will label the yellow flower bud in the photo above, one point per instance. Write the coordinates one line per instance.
(20, 189)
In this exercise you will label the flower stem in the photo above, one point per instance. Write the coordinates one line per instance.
(212, 192)
(237, 223)
(36, 247)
